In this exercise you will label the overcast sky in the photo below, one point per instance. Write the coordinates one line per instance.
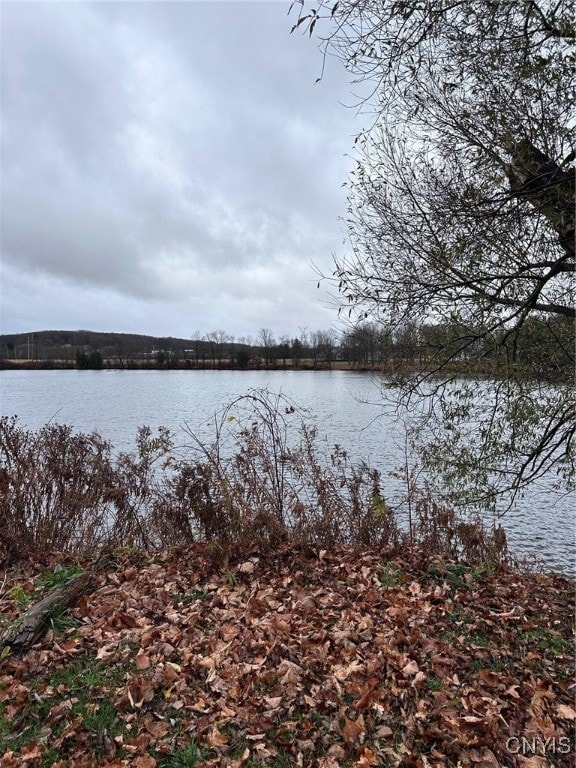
(168, 168)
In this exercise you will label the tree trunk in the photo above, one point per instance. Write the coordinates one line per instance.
(32, 626)
(536, 177)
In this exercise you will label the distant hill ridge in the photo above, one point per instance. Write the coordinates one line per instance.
(134, 342)
(55, 347)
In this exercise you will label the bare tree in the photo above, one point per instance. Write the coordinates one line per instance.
(323, 346)
(461, 211)
(268, 343)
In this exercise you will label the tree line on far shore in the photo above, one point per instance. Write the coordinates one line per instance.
(366, 345)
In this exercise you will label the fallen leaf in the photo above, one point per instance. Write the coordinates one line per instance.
(328, 762)
(216, 738)
(536, 761)
(29, 754)
(353, 729)
(273, 702)
(488, 760)
(144, 761)
(10, 760)
(566, 712)
(142, 661)
(410, 669)
(491, 679)
(367, 757)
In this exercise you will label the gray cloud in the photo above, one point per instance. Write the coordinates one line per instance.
(167, 167)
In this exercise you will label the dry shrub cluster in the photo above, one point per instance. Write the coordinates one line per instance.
(437, 527)
(262, 482)
(61, 491)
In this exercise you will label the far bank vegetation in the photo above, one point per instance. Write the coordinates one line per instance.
(537, 352)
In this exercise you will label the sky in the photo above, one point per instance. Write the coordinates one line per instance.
(169, 168)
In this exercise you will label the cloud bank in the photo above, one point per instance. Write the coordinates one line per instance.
(167, 168)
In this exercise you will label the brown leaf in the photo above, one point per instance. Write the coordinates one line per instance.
(29, 754)
(566, 712)
(536, 761)
(125, 620)
(353, 730)
(367, 757)
(142, 661)
(157, 728)
(491, 679)
(365, 700)
(10, 760)
(488, 760)
(410, 669)
(272, 702)
(138, 693)
(144, 761)
(216, 738)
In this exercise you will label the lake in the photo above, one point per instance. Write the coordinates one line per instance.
(346, 406)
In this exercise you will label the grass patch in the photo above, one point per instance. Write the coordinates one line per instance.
(229, 579)
(177, 662)
(183, 757)
(547, 642)
(460, 575)
(20, 597)
(79, 690)
(59, 575)
(62, 622)
(389, 575)
(434, 683)
(482, 638)
(494, 664)
(187, 598)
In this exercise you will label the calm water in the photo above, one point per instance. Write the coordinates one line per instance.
(346, 407)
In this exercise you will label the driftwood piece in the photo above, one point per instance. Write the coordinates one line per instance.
(33, 624)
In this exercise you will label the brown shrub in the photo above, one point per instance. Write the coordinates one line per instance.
(262, 482)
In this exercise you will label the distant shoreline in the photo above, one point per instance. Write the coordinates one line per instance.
(189, 365)
(391, 368)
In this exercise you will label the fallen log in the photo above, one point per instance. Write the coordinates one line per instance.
(34, 624)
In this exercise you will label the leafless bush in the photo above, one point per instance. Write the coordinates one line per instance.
(261, 482)
(61, 491)
(436, 524)
(264, 481)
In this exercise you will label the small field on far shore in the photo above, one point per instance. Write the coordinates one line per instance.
(329, 659)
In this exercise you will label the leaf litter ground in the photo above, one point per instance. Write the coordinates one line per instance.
(326, 659)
